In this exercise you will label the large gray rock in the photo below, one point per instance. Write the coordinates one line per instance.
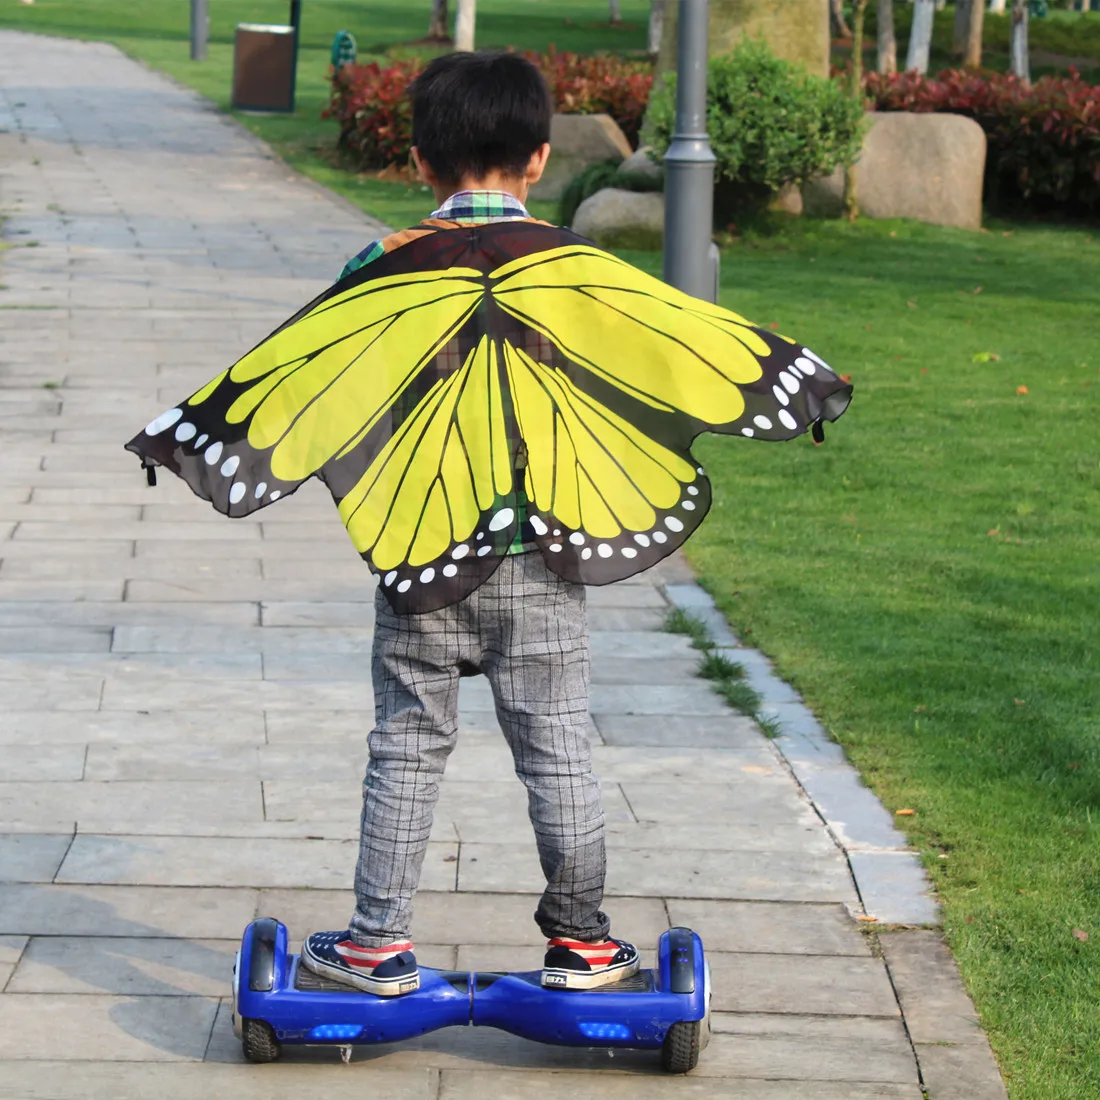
(622, 219)
(577, 141)
(643, 165)
(928, 167)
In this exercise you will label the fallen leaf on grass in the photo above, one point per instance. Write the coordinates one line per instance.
(911, 305)
(977, 290)
(905, 813)
(993, 532)
(985, 357)
(1020, 702)
(774, 325)
(1080, 935)
(845, 377)
(1021, 391)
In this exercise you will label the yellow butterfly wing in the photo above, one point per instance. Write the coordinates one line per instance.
(313, 391)
(665, 349)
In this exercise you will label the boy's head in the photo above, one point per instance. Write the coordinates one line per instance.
(481, 118)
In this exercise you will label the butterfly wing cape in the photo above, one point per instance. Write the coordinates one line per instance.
(480, 377)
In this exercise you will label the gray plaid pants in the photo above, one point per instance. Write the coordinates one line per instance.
(526, 629)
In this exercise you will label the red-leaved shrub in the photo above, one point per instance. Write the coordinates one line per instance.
(372, 106)
(582, 85)
(1044, 138)
(371, 103)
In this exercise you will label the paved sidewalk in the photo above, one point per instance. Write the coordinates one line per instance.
(185, 699)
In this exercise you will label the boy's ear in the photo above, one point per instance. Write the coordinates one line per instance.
(537, 164)
(423, 168)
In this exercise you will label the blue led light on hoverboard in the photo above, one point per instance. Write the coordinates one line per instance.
(336, 1031)
(593, 1029)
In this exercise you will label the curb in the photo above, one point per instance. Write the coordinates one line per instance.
(888, 874)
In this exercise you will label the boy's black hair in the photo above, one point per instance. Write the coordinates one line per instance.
(475, 112)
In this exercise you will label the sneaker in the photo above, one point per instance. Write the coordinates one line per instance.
(574, 964)
(385, 971)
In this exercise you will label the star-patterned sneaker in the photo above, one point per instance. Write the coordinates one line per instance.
(385, 971)
(574, 964)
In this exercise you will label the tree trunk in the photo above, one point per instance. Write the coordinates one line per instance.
(614, 12)
(836, 19)
(795, 30)
(465, 19)
(973, 58)
(1021, 66)
(887, 39)
(920, 37)
(859, 11)
(437, 25)
(656, 25)
(997, 6)
(962, 25)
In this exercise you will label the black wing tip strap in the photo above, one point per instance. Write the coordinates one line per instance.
(150, 468)
(818, 433)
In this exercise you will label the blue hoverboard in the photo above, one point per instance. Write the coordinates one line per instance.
(277, 1002)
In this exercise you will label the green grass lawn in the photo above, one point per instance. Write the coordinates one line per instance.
(930, 581)
(929, 578)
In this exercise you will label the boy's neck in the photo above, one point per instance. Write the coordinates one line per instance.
(494, 181)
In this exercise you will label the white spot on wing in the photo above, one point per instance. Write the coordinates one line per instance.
(165, 420)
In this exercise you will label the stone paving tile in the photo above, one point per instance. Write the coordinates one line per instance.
(52, 1080)
(222, 696)
(11, 948)
(770, 928)
(82, 1028)
(40, 763)
(473, 1084)
(78, 694)
(85, 726)
(841, 985)
(231, 861)
(31, 857)
(134, 966)
(192, 912)
(718, 731)
(756, 875)
(146, 807)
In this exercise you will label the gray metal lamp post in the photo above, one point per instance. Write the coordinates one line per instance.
(690, 261)
(200, 29)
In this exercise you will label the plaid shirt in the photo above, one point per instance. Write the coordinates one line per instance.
(464, 207)
(470, 208)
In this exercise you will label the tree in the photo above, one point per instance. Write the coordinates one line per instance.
(614, 12)
(836, 19)
(437, 25)
(1021, 66)
(920, 37)
(656, 26)
(887, 39)
(859, 11)
(465, 19)
(973, 57)
(962, 25)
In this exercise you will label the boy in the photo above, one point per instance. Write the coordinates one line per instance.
(481, 127)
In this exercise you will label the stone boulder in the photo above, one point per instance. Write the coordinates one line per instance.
(622, 219)
(577, 141)
(928, 167)
(641, 165)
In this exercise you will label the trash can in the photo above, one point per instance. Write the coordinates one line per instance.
(264, 60)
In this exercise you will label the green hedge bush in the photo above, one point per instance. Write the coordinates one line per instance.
(770, 122)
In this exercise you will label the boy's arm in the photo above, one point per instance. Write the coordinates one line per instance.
(361, 259)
